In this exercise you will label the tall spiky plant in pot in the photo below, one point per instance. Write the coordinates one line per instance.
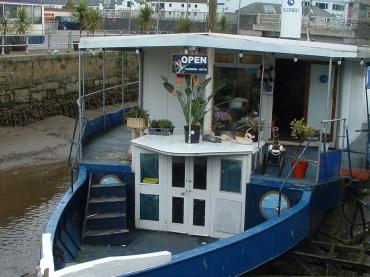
(192, 101)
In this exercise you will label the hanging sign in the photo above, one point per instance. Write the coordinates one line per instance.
(291, 19)
(190, 64)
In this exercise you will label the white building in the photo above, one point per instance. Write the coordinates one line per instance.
(338, 8)
(128, 5)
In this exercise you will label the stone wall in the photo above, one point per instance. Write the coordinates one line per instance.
(35, 87)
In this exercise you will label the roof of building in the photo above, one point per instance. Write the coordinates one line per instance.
(181, 1)
(228, 41)
(272, 8)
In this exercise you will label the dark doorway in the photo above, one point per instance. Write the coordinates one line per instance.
(289, 94)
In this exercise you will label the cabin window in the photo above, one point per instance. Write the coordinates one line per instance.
(237, 102)
(199, 212)
(10, 11)
(231, 175)
(227, 58)
(250, 59)
(178, 210)
(149, 207)
(37, 15)
(149, 165)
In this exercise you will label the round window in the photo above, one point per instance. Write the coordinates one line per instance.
(269, 204)
(109, 180)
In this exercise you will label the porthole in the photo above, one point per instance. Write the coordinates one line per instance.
(269, 202)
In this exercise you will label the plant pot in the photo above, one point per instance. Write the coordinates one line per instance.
(300, 169)
(161, 131)
(194, 134)
(136, 123)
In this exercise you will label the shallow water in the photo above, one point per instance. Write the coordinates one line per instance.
(27, 198)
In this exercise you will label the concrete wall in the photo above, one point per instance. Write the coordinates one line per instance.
(35, 87)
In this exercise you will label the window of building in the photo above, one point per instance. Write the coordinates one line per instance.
(37, 15)
(153, 4)
(306, 4)
(231, 173)
(170, 5)
(189, 5)
(195, 5)
(10, 11)
(182, 5)
(322, 5)
(338, 7)
(28, 10)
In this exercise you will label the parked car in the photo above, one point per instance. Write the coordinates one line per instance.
(67, 23)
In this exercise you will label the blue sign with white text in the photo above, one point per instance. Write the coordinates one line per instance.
(190, 64)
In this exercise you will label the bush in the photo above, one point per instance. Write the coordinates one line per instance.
(161, 123)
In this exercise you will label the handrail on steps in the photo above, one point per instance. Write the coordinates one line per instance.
(71, 162)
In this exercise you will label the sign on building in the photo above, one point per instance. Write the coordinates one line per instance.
(291, 19)
(190, 64)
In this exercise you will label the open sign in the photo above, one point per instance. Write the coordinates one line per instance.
(190, 64)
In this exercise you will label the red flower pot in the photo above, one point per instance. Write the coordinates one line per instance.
(300, 169)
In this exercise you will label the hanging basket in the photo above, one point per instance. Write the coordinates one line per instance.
(136, 123)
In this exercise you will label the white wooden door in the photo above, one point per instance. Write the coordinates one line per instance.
(189, 196)
(228, 208)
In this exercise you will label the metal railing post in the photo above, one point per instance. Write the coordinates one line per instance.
(69, 41)
(104, 87)
(3, 45)
(27, 50)
(49, 43)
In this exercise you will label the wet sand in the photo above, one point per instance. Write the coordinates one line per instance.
(42, 142)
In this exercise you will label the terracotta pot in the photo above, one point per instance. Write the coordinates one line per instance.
(300, 169)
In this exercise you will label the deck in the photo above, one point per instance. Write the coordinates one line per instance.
(144, 241)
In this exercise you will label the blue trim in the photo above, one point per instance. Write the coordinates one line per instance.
(243, 252)
(57, 214)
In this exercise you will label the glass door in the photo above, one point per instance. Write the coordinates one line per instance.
(177, 220)
(189, 196)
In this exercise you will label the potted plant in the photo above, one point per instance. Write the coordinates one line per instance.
(191, 94)
(250, 125)
(137, 118)
(300, 132)
(163, 127)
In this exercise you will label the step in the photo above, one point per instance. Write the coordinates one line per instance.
(106, 221)
(107, 205)
(107, 191)
(106, 200)
(106, 237)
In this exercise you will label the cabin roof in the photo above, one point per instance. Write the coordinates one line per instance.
(229, 42)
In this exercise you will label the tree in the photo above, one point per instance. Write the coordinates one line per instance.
(70, 4)
(183, 25)
(80, 13)
(212, 9)
(144, 18)
(22, 23)
(92, 20)
(222, 24)
(6, 25)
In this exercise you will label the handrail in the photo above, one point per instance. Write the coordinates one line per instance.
(292, 169)
(73, 139)
(109, 88)
(72, 164)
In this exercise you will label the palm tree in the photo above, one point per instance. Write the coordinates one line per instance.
(222, 24)
(92, 20)
(22, 23)
(144, 18)
(80, 13)
(6, 25)
(183, 25)
(70, 4)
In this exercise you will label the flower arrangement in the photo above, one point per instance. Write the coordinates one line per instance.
(301, 131)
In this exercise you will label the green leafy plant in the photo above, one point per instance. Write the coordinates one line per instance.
(80, 13)
(249, 124)
(144, 18)
(22, 23)
(183, 94)
(70, 4)
(300, 130)
(92, 20)
(183, 25)
(222, 24)
(161, 123)
(137, 112)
